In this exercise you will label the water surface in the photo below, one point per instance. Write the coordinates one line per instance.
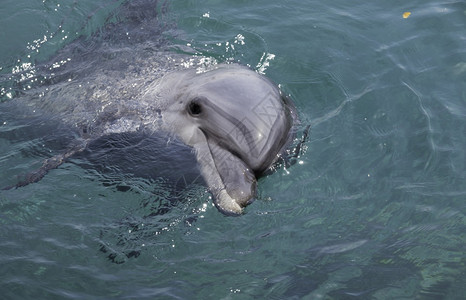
(375, 208)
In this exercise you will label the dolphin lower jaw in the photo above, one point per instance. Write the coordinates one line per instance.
(232, 199)
(231, 182)
(228, 205)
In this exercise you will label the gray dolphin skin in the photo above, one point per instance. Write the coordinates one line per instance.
(236, 120)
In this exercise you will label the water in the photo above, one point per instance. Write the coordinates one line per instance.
(374, 210)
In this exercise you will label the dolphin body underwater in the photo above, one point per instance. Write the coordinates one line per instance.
(236, 120)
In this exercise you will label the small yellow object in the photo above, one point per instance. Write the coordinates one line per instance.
(406, 14)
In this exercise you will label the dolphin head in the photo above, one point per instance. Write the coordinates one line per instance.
(237, 121)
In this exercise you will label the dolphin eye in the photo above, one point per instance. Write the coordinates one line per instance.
(194, 108)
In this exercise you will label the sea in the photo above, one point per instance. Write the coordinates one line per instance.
(374, 206)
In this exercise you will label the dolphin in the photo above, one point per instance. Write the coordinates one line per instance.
(237, 121)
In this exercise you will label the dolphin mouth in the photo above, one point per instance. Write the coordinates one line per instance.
(231, 181)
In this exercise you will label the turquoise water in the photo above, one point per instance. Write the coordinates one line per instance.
(375, 208)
